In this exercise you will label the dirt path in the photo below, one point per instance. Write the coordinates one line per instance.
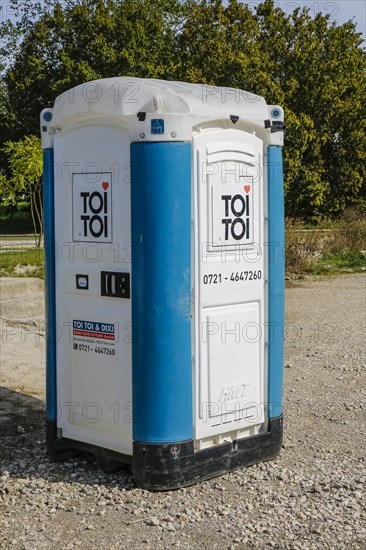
(22, 360)
(313, 496)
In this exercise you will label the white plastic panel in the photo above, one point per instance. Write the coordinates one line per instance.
(229, 286)
(233, 357)
(181, 105)
(92, 223)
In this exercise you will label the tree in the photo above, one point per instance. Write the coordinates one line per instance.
(72, 44)
(7, 122)
(315, 68)
(25, 162)
(321, 68)
(219, 45)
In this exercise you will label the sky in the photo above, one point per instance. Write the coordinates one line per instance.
(339, 10)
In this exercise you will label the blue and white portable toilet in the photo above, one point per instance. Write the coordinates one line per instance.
(164, 238)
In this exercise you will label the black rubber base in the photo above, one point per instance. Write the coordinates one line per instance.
(161, 467)
(170, 466)
(63, 448)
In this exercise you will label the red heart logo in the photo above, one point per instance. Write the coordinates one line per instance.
(105, 185)
(247, 188)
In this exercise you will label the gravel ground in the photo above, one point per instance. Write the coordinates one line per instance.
(313, 496)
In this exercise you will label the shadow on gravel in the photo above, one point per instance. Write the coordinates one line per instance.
(23, 450)
(19, 415)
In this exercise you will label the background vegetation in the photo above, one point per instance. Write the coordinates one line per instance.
(331, 251)
(339, 248)
(312, 66)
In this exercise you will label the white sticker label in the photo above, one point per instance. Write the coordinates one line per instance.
(92, 207)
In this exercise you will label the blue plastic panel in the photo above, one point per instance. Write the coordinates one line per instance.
(161, 291)
(276, 278)
(50, 296)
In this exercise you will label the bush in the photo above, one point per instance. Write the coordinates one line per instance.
(349, 234)
(15, 219)
(302, 247)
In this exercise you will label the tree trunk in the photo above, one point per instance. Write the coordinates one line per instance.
(40, 193)
(33, 217)
(38, 206)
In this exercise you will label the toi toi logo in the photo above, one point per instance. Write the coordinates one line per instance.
(95, 212)
(237, 207)
(92, 208)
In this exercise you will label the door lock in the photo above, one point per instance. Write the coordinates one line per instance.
(115, 284)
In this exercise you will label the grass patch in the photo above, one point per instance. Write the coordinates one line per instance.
(348, 261)
(17, 237)
(341, 249)
(26, 262)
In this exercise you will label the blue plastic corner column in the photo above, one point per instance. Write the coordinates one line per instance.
(161, 292)
(276, 280)
(50, 305)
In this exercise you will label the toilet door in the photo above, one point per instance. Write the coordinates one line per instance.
(93, 306)
(229, 285)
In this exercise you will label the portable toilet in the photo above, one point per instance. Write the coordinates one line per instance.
(164, 242)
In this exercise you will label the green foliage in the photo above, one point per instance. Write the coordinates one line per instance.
(25, 161)
(15, 218)
(315, 68)
(219, 46)
(25, 164)
(83, 41)
(7, 123)
(330, 72)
